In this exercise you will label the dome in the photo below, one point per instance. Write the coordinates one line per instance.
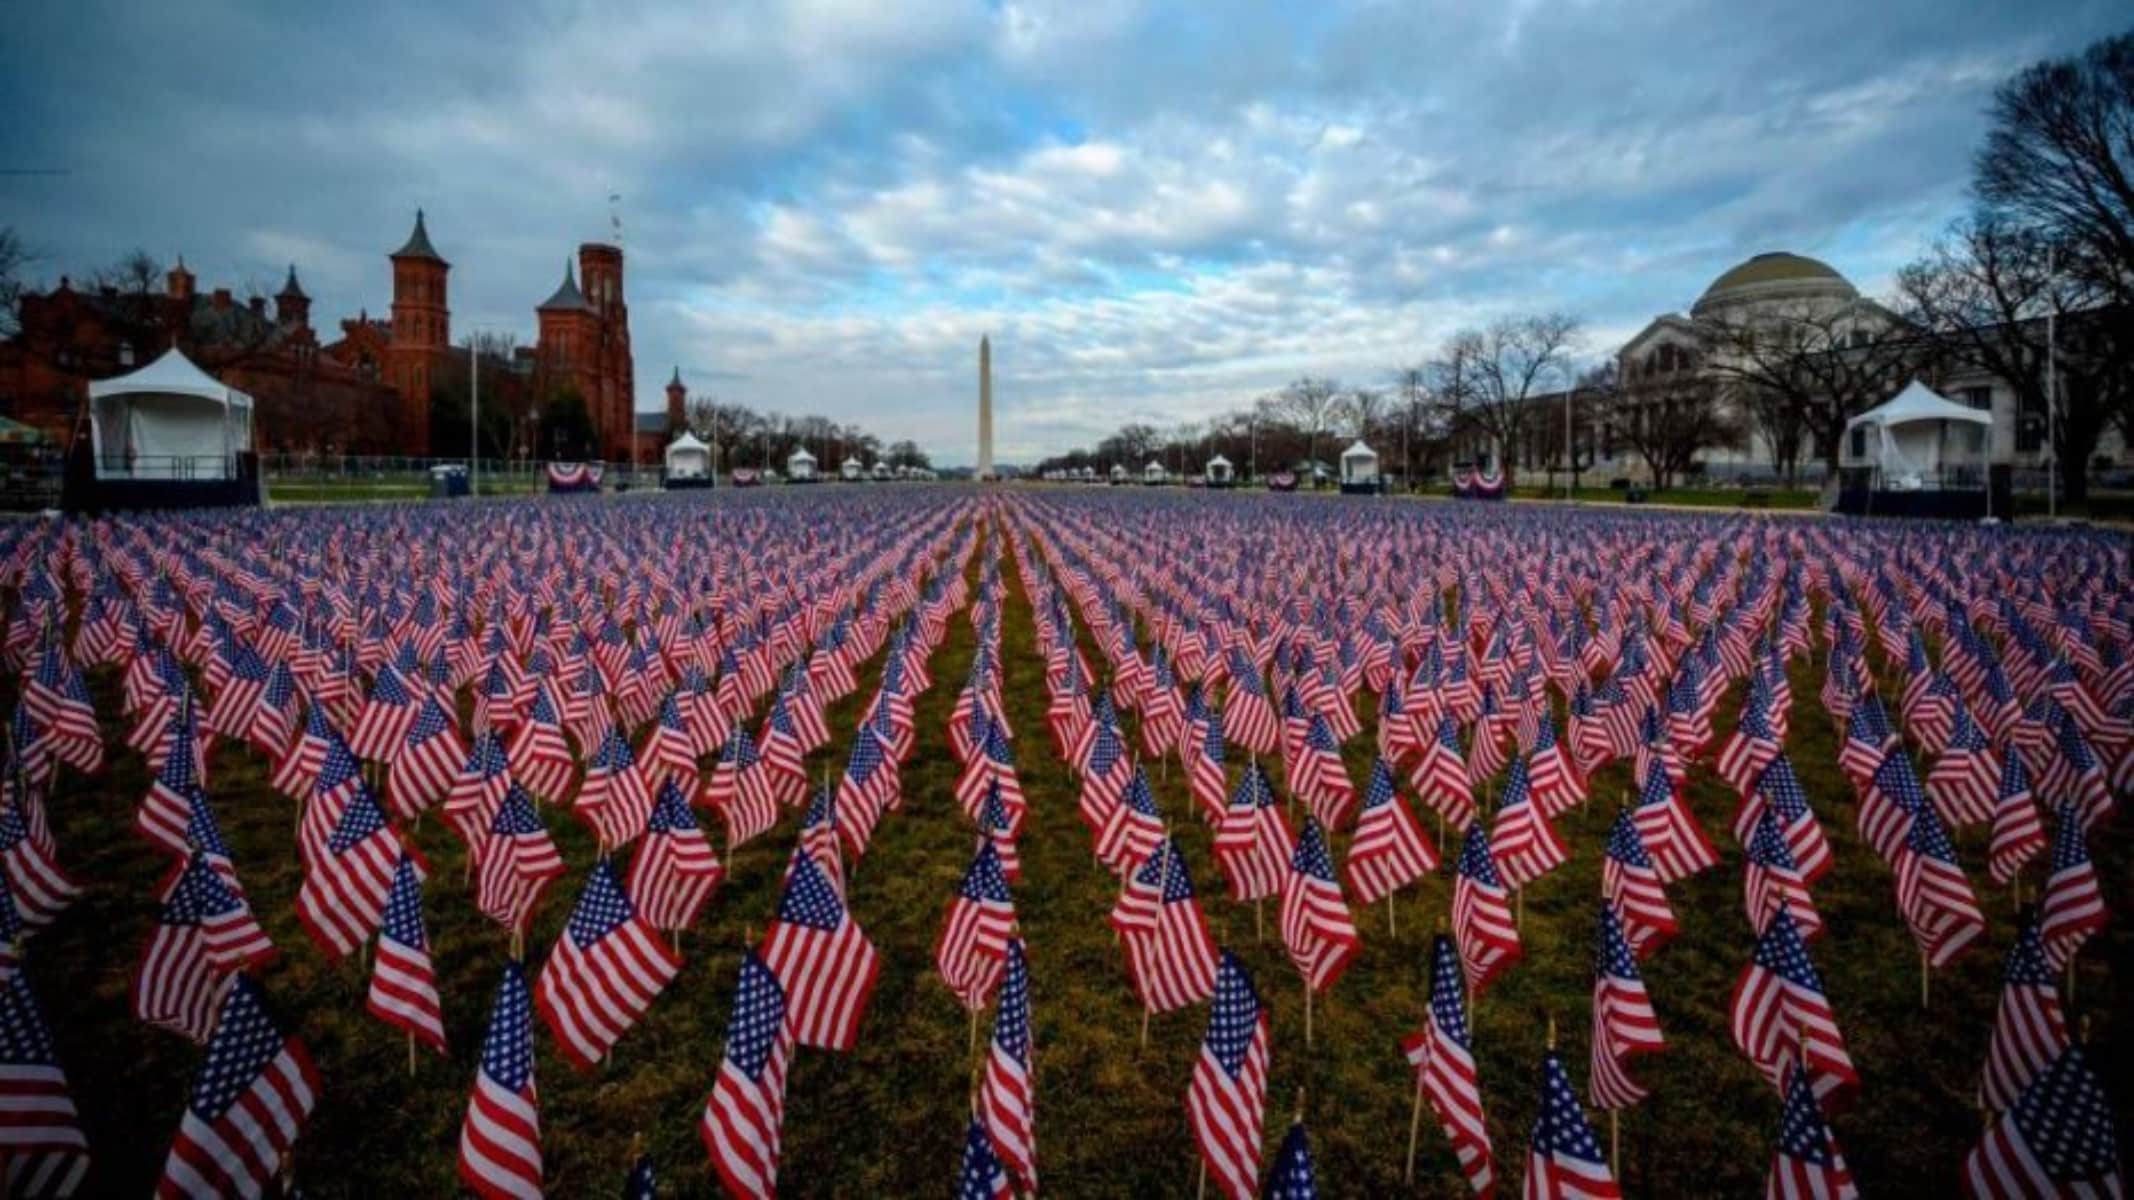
(1774, 275)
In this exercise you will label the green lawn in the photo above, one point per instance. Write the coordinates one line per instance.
(887, 1119)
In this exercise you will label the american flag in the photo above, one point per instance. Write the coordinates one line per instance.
(641, 1184)
(1523, 843)
(974, 938)
(2029, 1031)
(604, 972)
(1753, 744)
(1556, 782)
(298, 768)
(1292, 1176)
(41, 888)
(669, 752)
(825, 963)
(1226, 1102)
(403, 986)
(1779, 1009)
(2072, 908)
(344, 891)
(166, 813)
(1253, 842)
(1442, 1053)
(1205, 776)
(740, 792)
(1170, 956)
(1623, 1021)
(1888, 806)
(41, 1142)
(1481, 918)
(1007, 1094)
(1132, 828)
(1631, 885)
(1248, 715)
(540, 758)
(614, 800)
(1677, 844)
(1807, 1164)
(981, 1176)
(869, 788)
(1389, 850)
(1104, 778)
(675, 871)
(1563, 1159)
(500, 1139)
(2018, 834)
(1779, 791)
(1933, 894)
(2072, 773)
(478, 790)
(247, 1107)
(1963, 781)
(1869, 738)
(2057, 1139)
(1316, 927)
(744, 1116)
(994, 825)
(1770, 881)
(1440, 776)
(387, 713)
(427, 763)
(205, 934)
(518, 862)
(1321, 780)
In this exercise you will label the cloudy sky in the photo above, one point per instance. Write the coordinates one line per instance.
(1158, 211)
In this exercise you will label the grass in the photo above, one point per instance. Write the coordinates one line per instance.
(1776, 497)
(887, 1118)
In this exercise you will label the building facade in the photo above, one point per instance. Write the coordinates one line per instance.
(370, 391)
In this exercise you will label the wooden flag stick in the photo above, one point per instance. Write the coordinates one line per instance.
(974, 1032)
(1415, 1126)
(1391, 931)
(1200, 1189)
(1259, 921)
(1922, 979)
(1307, 1013)
(411, 1055)
(1615, 1143)
(1518, 908)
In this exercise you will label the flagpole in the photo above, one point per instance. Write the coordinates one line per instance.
(1415, 1126)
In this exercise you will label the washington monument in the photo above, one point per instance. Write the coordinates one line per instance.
(985, 407)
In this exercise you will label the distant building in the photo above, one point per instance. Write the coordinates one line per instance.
(368, 392)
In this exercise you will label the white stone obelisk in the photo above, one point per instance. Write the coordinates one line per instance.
(985, 407)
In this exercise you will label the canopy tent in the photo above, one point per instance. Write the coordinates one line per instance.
(882, 473)
(1118, 472)
(1359, 464)
(800, 467)
(688, 458)
(1154, 473)
(168, 420)
(851, 469)
(1219, 470)
(1915, 437)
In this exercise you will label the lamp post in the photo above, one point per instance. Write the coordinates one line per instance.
(474, 414)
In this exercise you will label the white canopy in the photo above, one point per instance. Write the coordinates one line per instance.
(1916, 434)
(1118, 470)
(688, 458)
(800, 464)
(168, 420)
(1154, 472)
(1219, 469)
(1359, 464)
(850, 468)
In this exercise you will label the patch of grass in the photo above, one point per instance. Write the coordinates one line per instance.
(887, 1118)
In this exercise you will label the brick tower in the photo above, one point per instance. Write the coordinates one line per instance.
(611, 398)
(677, 404)
(422, 332)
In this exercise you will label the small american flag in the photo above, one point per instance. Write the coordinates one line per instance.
(1442, 1053)
(1170, 956)
(1253, 843)
(675, 871)
(403, 986)
(1623, 1021)
(518, 862)
(1522, 841)
(1932, 892)
(1389, 850)
(204, 935)
(744, 1116)
(1778, 789)
(1316, 926)
(2072, 908)
(1132, 828)
(1440, 776)
(740, 792)
(1226, 1101)
(344, 892)
(825, 963)
(540, 757)
(1481, 918)
(974, 938)
(247, 1107)
(500, 1139)
(2057, 1139)
(1292, 1176)
(1631, 885)
(1807, 1164)
(1677, 844)
(1779, 1009)
(387, 713)
(1321, 779)
(1770, 881)
(2029, 1031)
(604, 972)
(614, 800)
(41, 1142)
(2018, 834)
(427, 763)
(41, 888)
(1007, 1095)
(1563, 1159)
(981, 1177)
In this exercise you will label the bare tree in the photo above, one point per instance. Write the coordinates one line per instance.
(1364, 409)
(15, 259)
(1666, 418)
(1487, 376)
(1311, 402)
(1816, 364)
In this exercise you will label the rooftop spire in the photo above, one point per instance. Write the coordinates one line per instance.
(418, 243)
(567, 298)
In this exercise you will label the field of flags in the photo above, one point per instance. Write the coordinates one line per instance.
(1003, 842)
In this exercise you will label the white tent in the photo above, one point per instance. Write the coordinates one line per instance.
(882, 473)
(1916, 435)
(1359, 464)
(850, 469)
(688, 458)
(1154, 472)
(168, 420)
(1118, 472)
(800, 466)
(1219, 470)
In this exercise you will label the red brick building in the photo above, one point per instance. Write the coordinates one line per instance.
(370, 392)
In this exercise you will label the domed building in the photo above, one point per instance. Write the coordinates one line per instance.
(1771, 280)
